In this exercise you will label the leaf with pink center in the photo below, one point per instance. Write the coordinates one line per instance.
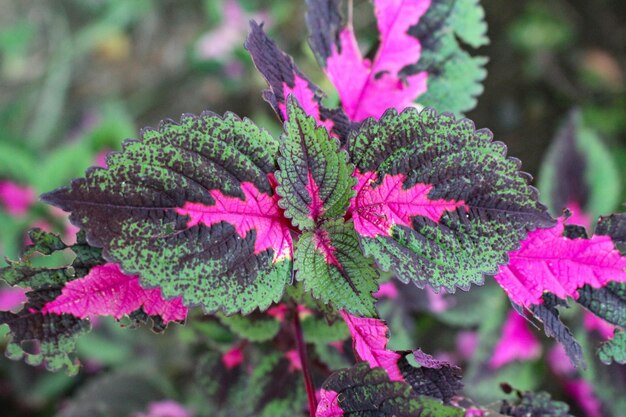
(417, 46)
(437, 202)
(285, 79)
(191, 209)
(314, 180)
(107, 291)
(549, 262)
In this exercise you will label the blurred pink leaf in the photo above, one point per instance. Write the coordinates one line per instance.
(517, 343)
(11, 297)
(165, 408)
(16, 198)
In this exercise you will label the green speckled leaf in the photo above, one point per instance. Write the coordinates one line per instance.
(314, 180)
(191, 209)
(362, 391)
(332, 267)
(454, 76)
(614, 350)
(535, 404)
(438, 202)
(255, 328)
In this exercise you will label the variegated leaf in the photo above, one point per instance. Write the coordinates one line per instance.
(437, 202)
(191, 209)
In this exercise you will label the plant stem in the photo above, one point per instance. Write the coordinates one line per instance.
(304, 359)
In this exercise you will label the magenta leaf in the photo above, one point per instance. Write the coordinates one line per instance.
(378, 206)
(257, 211)
(517, 342)
(284, 79)
(547, 261)
(106, 291)
(432, 377)
(369, 87)
(15, 198)
(369, 338)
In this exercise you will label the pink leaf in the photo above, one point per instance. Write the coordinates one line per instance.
(549, 262)
(376, 208)
(368, 88)
(370, 337)
(106, 291)
(165, 408)
(15, 198)
(386, 290)
(578, 215)
(11, 298)
(307, 99)
(257, 211)
(517, 343)
(232, 358)
(328, 405)
(595, 323)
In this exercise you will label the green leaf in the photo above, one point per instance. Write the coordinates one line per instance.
(579, 169)
(438, 202)
(332, 267)
(535, 404)
(454, 76)
(615, 349)
(314, 180)
(190, 208)
(255, 328)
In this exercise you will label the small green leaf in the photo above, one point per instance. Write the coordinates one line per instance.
(314, 180)
(615, 349)
(331, 265)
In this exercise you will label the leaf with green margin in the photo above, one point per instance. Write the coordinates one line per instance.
(332, 267)
(454, 76)
(258, 388)
(614, 350)
(54, 336)
(535, 404)
(171, 206)
(361, 391)
(456, 166)
(578, 169)
(315, 179)
(119, 394)
(255, 327)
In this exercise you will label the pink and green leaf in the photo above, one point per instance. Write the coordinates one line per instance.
(107, 291)
(314, 180)
(170, 208)
(417, 51)
(437, 202)
(362, 390)
(285, 79)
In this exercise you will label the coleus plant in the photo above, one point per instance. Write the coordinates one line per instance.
(214, 212)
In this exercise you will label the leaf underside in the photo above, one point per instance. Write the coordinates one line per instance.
(191, 210)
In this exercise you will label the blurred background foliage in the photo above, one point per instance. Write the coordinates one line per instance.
(77, 77)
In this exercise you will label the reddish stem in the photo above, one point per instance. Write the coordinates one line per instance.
(304, 359)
